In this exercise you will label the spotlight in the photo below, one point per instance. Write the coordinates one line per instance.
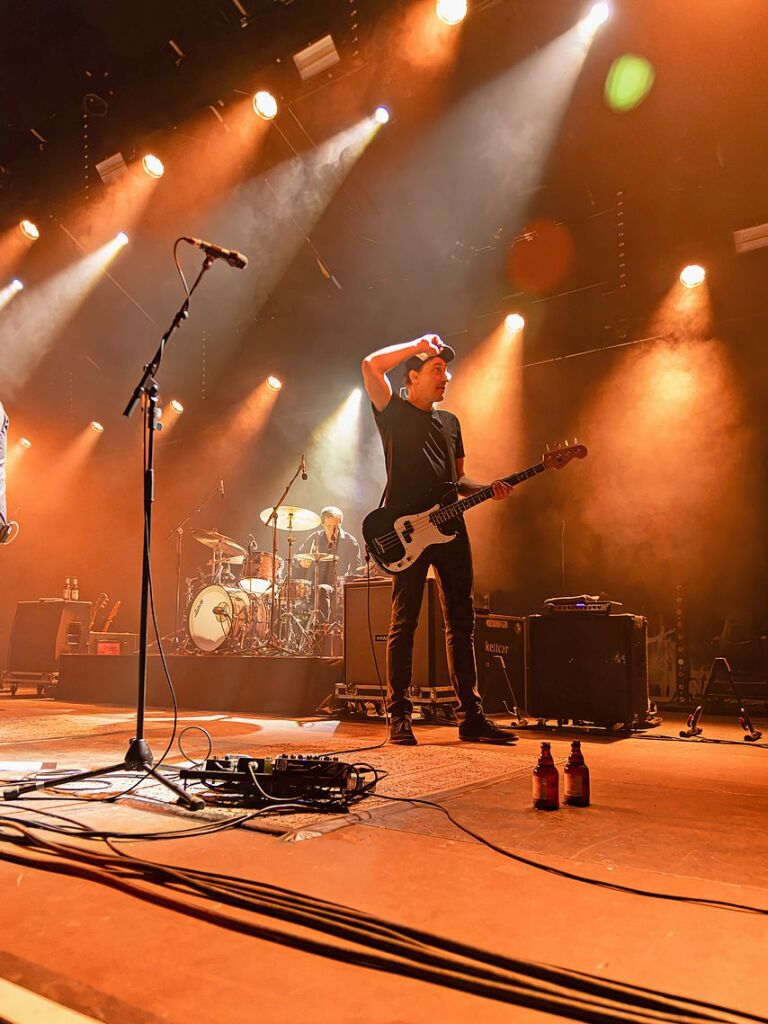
(176, 405)
(692, 276)
(265, 104)
(29, 230)
(599, 14)
(274, 383)
(121, 238)
(16, 285)
(451, 12)
(153, 166)
(25, 442)
(95, 425)
(381, 115)
(514, 323)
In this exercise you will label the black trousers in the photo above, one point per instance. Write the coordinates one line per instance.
(453, 567)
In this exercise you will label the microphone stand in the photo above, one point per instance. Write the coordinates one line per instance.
(139, 757)
(272, 518)
(179, 531)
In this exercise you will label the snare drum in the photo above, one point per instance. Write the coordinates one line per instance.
(257, 572)
(217, 617)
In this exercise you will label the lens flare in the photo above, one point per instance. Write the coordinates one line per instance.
(95, 425)
(515, 323)
(29, 230)
(176, 405)
(153, 165)
(381, 115)
(25, 442)
(451, 12)
(274, 383)
(265, 104)
(693, 275)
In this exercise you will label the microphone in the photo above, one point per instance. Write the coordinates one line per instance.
(221, 487)
(217, 252)
(303, 467)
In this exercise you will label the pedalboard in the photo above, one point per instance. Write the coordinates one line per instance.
(300, 778)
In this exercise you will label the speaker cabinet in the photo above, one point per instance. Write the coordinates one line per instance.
(497, 637)
(588, 667)
(44, 630)
(430, 665)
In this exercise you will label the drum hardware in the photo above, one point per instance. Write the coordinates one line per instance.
(317, 626)
(290, 518)
(178, 530)
(226, 620)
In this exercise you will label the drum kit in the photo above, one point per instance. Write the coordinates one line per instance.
(247, 601)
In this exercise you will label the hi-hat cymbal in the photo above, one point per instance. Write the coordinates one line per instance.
(222, 545)
(306, 558)
(291, 517)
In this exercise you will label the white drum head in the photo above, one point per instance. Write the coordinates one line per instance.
(213, 614)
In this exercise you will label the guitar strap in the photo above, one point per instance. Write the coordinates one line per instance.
(449, 449)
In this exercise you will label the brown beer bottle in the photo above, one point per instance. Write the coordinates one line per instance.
(576, 778)
(546, 782)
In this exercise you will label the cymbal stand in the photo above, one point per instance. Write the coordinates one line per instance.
(290, 621)
(274, 639)
(179, 531)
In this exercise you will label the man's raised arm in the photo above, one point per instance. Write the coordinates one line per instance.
(377, 364)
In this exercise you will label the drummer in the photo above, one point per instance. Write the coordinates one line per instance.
(331, 539)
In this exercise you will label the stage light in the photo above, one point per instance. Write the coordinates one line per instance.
(121, 238)
(265, 104)
(514, 323)
(598, 15)
(274, 383)
(153, 166)
(95, 425)
(25, 442)
(29, 230)
(381, 115)
(451, 12)
(176, 405)
(692, 276)
(16, 284)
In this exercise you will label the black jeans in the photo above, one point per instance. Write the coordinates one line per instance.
(453, 566)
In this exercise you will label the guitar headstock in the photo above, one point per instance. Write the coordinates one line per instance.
(560, 455)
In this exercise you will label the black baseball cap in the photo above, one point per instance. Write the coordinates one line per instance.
(446, 353)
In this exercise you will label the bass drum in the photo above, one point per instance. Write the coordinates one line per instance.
(217, 618)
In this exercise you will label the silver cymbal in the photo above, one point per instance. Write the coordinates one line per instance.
(222, 545)
(291, 517)
(306, 558)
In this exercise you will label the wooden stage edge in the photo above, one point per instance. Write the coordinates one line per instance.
(274, 686)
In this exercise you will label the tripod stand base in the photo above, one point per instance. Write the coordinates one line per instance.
(138, 759)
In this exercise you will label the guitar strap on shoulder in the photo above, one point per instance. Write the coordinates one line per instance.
(449, 448)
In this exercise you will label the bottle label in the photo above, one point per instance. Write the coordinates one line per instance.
(574, 786)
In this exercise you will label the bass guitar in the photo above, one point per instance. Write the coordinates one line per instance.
(395, 540)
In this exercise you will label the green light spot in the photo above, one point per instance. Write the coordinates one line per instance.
(628, 83)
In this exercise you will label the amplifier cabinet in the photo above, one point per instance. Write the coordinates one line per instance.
(593, 668)
(500, 636)
(430, 665)
(43, 630)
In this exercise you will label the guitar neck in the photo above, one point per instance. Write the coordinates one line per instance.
(457, 507)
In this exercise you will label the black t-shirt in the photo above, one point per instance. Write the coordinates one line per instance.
(345, 547)
(418, 467)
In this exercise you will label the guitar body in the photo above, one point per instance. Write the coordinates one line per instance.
(395, 541)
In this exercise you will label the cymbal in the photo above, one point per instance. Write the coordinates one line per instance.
(306, 558)
(213, 539)
(291, 517)
(231, 560)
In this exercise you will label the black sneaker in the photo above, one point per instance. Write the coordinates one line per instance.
(401, 731)
(483, 730)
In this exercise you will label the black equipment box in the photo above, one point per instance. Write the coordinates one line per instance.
(430, 665)
(42, 631)
(497, 638)
(590, 668)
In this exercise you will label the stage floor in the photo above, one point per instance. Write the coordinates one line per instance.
(667, 816)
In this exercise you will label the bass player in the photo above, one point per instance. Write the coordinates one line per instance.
(424, 453)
